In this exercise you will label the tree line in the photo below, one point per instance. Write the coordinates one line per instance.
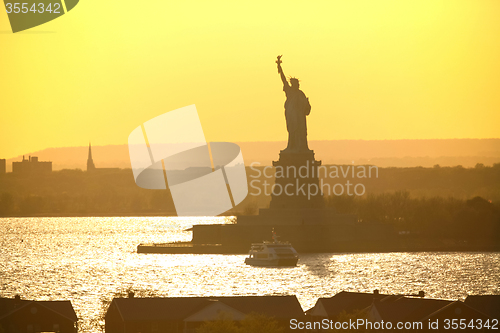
(406, 194)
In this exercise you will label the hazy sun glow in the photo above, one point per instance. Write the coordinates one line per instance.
(371, 69)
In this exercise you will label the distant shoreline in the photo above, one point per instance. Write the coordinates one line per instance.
(383, 153)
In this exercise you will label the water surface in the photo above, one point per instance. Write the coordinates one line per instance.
(89, 259)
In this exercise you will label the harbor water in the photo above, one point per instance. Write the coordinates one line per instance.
(88, 260)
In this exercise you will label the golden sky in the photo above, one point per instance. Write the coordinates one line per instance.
(371, 69)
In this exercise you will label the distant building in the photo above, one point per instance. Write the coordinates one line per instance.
(91, 166)
(31, 166)
(17, 315)
(90, 161)
(186, 314)
(3, 166)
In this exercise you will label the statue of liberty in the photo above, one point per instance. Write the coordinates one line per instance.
(297, 107)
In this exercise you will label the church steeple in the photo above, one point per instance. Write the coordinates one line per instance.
(90, 162)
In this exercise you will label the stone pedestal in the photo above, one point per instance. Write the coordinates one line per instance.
(296, 182)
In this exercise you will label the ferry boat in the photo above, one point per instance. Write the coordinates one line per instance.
(273, 253)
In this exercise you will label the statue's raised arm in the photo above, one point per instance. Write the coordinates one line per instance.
(297, 107)
(280, 71)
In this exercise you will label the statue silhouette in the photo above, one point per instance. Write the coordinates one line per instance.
(297, 107)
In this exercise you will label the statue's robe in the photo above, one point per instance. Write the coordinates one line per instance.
(297, 107)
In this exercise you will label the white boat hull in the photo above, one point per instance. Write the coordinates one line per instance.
(279, 262)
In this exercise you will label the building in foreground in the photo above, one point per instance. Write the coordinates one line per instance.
(186, 314)
(414, 312)
(488, 304)
(31, 166)
(426, 314)
(18, 315)
(345, 301)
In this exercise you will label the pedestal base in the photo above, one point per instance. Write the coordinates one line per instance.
(296, 182)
